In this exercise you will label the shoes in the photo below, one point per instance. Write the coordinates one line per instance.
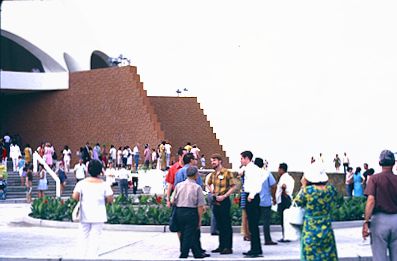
(218, 250)
(215, 234)
(247, 238)
(284, 240)
(254, 255)
(247, 253)
(203, 251)
(226, 251)
(203, 255)
(182, 256)
(270, 243)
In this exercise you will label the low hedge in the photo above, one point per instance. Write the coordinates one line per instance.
(151, 210)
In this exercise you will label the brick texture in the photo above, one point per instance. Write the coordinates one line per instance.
(108, 106)
(182, 121)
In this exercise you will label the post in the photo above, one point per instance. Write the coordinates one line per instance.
(37, 159)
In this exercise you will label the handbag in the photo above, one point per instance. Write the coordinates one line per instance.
(76, 213)
(295, 214)
(173, 224)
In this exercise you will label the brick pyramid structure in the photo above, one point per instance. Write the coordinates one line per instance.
(108, 106)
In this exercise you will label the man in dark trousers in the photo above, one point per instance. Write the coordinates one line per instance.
(253, 180)
(221, 184)
(381, 210)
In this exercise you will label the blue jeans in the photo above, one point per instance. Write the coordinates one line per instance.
(136, 158)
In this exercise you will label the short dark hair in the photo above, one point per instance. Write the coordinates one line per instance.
(191, 171)
(180, 151)
(188, 158)
(259, 162)
(283, 166)
(216, 156)
(247, 154)
(94, 168)
(349, 169)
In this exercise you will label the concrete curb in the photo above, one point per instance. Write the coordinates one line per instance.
(162, 228)
(169, 259)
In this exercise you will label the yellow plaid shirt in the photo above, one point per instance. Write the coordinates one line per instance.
(221, 181)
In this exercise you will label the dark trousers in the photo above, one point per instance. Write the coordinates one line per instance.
(253, 214)
(134, 184)
(267, 212)
(345, 166)
(285, 203)
(136, 159)
(123, 185)
(223, 221)
(349, 190)
(187, 219)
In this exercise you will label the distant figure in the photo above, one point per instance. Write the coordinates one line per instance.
(113, 155)
(167, 148)
(381, 210)
(147, 156)
(321, 159)
(28, 153)
(337, 162)
(48, 153)
(67, 154)
(62, 176)
(154, 159)
(349, 182)
(358, 183)
(79, 170)
(188, 147)
(42, 186)
(162, 156)
(196, 151)
(202, 160)
(346, 162)
(135, 152)
(15, 152)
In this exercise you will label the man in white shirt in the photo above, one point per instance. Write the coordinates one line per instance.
(113, 154)
(123, 175)
(135, 152)
(80, 170)
(346, 162)
(253, 179)
(285, 187)
(15, 152)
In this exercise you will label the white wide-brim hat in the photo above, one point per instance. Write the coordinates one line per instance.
(315, 173)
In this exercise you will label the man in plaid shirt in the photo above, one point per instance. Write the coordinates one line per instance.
(221, 184)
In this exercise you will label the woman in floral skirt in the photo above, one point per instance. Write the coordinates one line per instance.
(318, 199)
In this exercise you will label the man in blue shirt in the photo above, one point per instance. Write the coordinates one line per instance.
(181, 175)
(266, 200)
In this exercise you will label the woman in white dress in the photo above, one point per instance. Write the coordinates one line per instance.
(93, 193)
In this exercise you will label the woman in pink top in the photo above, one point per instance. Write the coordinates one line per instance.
(48, 152)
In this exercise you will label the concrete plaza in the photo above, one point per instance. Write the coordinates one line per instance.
(25, 239)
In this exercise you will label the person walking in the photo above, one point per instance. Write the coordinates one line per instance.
(147, 156)
(135, 152)
(62, 176)
(189, 201)
(381, 210)
(79, 171)
(318, 199)
(285, 187)
(253, 180)
(221, 184)
(67, 156)
(28, 153)
(266, 200)
(15, 152)
(92, 193)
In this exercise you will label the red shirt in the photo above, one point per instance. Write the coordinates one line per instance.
(170, 178)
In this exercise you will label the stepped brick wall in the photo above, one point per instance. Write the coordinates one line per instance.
(108, 106)
(182, 121)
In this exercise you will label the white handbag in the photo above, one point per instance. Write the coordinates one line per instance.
(295, 214)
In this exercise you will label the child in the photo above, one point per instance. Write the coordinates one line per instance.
(21, 170)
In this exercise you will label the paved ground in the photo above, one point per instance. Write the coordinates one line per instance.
(23, 241)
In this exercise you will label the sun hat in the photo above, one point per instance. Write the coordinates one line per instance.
(315, 174)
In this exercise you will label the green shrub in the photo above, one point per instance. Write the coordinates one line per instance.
(151, 210)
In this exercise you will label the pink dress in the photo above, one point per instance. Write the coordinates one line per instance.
(48, 151)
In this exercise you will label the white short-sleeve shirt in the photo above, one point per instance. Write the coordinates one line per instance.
(92, 200)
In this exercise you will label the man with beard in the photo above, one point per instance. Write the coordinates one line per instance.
(221, 184)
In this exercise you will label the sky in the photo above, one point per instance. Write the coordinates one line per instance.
(285, 79)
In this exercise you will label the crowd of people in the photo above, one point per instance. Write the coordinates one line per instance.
(187, 192)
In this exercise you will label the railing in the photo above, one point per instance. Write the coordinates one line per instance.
(37, 159)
